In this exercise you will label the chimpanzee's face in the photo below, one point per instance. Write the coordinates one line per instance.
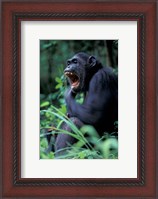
(76, 72)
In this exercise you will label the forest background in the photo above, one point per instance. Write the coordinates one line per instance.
(53, 56)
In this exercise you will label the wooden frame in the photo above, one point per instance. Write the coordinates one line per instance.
(145, 14)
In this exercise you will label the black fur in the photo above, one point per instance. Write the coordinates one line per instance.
(100, 107)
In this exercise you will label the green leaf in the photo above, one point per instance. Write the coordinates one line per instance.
(44, 104)
(63, 108)
(81, 155)
(58, 86)
(57, 79)
(51, 155)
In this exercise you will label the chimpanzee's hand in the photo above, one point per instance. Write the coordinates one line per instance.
(69, 98)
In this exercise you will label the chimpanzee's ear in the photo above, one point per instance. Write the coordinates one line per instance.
(92, 61)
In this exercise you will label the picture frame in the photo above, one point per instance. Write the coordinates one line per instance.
(145, 185)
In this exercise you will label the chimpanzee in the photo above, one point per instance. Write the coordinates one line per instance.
(100, 86)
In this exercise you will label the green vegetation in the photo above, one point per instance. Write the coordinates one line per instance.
(53, 55)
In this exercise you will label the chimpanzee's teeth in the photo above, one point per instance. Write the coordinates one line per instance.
(68, 73)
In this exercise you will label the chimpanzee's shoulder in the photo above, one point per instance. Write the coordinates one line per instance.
(105, 72)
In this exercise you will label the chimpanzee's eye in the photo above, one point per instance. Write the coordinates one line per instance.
(75, 61)
(68, 62)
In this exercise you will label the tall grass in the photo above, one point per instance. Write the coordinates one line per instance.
(89, 145)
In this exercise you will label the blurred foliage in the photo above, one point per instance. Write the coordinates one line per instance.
(53, 56)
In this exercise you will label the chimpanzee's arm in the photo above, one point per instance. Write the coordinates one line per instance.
(98, 100)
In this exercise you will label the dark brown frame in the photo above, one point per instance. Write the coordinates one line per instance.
(144, 12)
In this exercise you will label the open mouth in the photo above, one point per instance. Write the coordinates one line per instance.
(74, 79)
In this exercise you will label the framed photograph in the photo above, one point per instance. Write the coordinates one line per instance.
(79, 99)
(59, 137)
